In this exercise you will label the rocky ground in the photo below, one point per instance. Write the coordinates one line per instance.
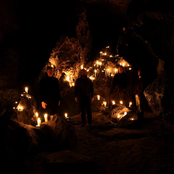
(103, 147)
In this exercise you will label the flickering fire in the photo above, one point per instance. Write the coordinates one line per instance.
(113, 102)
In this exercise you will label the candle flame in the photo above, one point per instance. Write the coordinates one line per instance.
(26, 89)
(113, 102)
(37, 114)
(121, 102)
(98, 97)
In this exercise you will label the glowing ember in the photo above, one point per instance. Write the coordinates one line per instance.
(46, 117)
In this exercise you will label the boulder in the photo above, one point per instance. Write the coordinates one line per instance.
(158, 96)
(18, 143)
(56, 134)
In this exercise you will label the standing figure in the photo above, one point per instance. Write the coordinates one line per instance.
(49, 93)
(123, 43)
(84, 96)
(119, 85)
(139, 96)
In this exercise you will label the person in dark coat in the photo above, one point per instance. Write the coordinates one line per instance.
(84, 96)
(122, 43)
(49, 93)
(139, 96)
(118, 87)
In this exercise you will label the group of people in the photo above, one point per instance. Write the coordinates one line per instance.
(84, 93)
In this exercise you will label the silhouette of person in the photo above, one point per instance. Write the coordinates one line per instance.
(84, 96)
(119, 85)
(122, 43)
(49, 93)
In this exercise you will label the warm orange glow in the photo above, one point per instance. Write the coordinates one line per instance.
(111, 56)
(66, 115)
(38, 122)
(46, 117)
(104, 103)
(116, 70)
(107, 47)
(130, 104)
(81, 66)
(92, 78)
(121, 102)
(98, 97)
(113, 102)
(125, 113)
(36, 114)
(67, 78)
(26, 89)
(118, 116)
(20, 108)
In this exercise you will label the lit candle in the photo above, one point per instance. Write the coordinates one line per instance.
(95, 72)
(116, 70)
(22, 95)
(107, 47)
(97, 63)
(121, 102)
(130, 104)
(20, 108)
(36, 114)
(123, 64)
(16, 102)
(105, 54)
(108, 71)
(104, 103)
(81, 66)
(130, 68)
(73, 84)
(98, 97)
(71, 77)
(118, 116)
(113, 102)
(52, 66)
(66, 115)
(38, 122)
(67, 78)
(132, 119)
(46, 117)
(26, 89)
(125, 113)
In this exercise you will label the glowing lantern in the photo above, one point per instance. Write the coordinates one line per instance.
(26, 89)
(98, 97)
(46, 117)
